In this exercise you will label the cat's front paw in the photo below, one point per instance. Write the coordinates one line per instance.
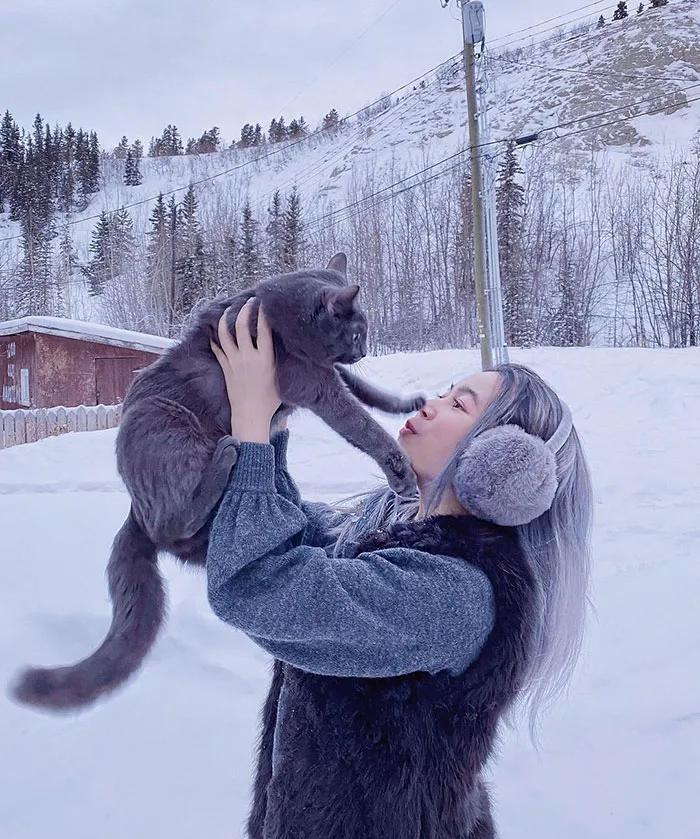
(400, 476)
(225, 455)
(416, 402)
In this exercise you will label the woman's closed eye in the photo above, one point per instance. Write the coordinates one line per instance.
(455, 402)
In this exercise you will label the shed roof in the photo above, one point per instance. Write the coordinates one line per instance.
(85, 331)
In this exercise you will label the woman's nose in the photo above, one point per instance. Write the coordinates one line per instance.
(427, 411)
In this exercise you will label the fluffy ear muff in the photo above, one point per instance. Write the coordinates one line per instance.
(506, 476)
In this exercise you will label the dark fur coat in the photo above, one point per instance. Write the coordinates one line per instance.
(399, 757)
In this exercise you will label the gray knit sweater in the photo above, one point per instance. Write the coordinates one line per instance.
(383, 613)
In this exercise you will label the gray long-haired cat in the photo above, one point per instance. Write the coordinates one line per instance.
(175, 454)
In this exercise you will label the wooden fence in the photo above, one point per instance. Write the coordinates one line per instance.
(28, 425)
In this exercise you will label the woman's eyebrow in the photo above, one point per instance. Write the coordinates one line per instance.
(470, 391)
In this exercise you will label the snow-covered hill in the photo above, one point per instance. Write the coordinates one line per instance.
(170, 755)
(532, 85)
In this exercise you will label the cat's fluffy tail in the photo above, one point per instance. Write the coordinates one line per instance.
(138, 609)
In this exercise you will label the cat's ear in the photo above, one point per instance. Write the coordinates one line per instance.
(347, 295)
(338, 263)
(338, 300)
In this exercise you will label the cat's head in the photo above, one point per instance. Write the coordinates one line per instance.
(317, 315)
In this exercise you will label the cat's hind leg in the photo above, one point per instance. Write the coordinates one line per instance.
(175, 471)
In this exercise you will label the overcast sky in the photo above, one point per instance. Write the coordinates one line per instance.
(132, 66)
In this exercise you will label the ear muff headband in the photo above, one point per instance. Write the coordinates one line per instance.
(508, 476)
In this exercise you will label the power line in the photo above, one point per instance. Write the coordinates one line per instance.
(246, 163)
(385, 120)
(622, 119)
(361, 203)
(549, 29)
(627, 105)
(635, 77)
(353, 208)
(403, 180)
(549, 20)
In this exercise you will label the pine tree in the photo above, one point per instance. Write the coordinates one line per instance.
(510, 206)
(93, 169)
(11, 157)
(282, 130)
(656, 4)
(292, 232)
(249, 264)
(640, 8)
(98, 268)
(273, 234)
(191, 261)
(122, 148)
(122, 241)
(210, 141)
(567, 327)
(66, 267)
(247, 136)
(87, 159)
(331, 120)
(35, 289)
(168, 144)
(52, 162)
(68, 174)
(132, 170)
(272, 131)
(601, 22)
(621, 11)
(258, 136)
(160, 264)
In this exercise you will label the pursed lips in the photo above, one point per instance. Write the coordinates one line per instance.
(409, 428)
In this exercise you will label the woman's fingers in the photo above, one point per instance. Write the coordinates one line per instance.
(264, 334)
(243, 337)
(225, 339)
(218, 352)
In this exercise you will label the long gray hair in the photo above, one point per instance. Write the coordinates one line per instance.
(556, 544)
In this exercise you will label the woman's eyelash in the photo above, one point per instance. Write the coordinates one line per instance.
(443, 395)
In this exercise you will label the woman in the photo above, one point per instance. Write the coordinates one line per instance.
(402, 639)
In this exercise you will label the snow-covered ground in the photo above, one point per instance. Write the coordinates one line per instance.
(171, 754)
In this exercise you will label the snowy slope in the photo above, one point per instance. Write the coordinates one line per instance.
(170, 755)
(532, 84)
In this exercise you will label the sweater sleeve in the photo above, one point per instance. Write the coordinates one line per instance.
(382, 613)
(321, 519)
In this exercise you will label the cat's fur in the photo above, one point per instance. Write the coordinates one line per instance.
(175, 455)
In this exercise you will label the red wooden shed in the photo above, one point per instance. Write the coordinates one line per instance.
(45, 362)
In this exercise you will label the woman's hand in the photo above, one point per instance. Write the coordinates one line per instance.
(250, 376)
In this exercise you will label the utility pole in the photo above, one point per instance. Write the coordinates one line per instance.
(487, 278)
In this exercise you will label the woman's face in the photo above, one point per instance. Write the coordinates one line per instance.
(429, 438)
